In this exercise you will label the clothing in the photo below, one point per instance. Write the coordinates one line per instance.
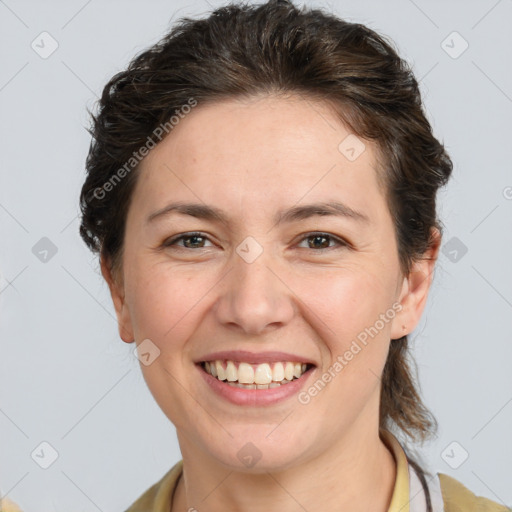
(6, 505)
(447, 494)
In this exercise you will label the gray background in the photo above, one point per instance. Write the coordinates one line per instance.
(67, 379)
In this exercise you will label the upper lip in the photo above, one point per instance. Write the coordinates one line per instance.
(255, 357)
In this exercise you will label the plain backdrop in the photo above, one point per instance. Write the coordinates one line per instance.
(72, 396)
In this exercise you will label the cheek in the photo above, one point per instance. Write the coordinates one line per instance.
(345, 302)
(165, 307)
(162, 304)
(346, 311)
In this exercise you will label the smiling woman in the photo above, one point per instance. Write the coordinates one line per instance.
(269, 255)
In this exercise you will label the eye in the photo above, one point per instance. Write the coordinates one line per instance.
(197, 239)
(321, 241)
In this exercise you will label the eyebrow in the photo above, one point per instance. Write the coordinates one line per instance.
(293, 214)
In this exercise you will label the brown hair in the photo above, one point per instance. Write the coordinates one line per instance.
(244, 50)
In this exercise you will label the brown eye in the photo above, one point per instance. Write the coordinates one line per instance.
(320, 241)
(190, 241)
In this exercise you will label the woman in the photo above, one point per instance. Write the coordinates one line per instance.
(261, 190)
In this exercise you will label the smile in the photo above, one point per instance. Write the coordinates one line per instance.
(255, 376)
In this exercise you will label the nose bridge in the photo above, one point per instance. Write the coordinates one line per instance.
(253, 296)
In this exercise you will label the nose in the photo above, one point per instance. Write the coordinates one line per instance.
(254, 297)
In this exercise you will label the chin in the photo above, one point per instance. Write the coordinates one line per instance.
(251, 460)
(259, 449)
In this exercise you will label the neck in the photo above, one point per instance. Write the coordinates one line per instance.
(357, 474)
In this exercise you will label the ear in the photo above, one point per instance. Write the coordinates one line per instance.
(116, 287)
(415, 288)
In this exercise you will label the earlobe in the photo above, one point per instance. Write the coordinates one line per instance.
(415, 288)
(118, 298)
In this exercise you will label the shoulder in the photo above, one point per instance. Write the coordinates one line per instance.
(158, 497)
(6, 505)
(458, 498)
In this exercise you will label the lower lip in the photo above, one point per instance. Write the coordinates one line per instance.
(240, 396)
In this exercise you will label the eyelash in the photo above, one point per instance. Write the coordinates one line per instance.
(172, 241)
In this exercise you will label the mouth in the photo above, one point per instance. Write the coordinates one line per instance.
(246, 375)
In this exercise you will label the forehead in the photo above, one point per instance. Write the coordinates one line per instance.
(259, 150)
(270, 128)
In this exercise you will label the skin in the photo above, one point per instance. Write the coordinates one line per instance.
(252, 158)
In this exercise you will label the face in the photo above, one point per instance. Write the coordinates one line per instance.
(269, 281)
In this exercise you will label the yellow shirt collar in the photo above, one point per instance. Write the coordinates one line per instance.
(161, 493)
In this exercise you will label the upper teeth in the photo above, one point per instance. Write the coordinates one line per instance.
(246, 373)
